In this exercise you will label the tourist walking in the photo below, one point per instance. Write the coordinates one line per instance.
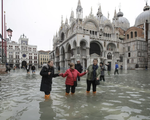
(116, 69)
(28, 68)
(108, 68)
(59, 68)
(33, 69)
(47, 74)
(71, 80)
(102, 76)
(93, 74)
(79, 68)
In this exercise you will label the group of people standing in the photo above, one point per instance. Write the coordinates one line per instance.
(28, 67)
(94, 74)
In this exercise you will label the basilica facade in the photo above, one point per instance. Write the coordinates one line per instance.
(95, 36)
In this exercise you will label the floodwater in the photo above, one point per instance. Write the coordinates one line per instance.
(121, 97)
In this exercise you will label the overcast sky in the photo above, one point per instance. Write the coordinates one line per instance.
(40, 19)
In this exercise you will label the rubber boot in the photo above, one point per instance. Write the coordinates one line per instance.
(87, 91)
(47, 96)
(94, 92)
(67, 94)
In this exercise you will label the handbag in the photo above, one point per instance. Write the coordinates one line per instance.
(75, 82)
(97, 82)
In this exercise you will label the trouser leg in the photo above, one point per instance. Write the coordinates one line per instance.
(67, 88)
(78, 78)
(94, 86)
(117, 72)
(72, 89)
(47, 92)
(100, 77)
(103, 78)
(88, 85)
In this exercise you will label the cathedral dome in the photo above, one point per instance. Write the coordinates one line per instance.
(102, 19)
(121, 21)
(145, 15)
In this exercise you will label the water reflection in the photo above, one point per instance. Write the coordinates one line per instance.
(46, 110)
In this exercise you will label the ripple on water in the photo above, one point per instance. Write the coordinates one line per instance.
(128, 109)
(108, 104)
(121, 116)
(134, 101)
(139, 117)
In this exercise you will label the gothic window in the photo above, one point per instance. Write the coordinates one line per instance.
(127, 36)
(62, 36)
(109, 56)
(121, 59)
(135, 34)
(131, 34)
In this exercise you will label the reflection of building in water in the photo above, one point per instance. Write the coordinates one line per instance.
(98, 37)
(21, 53)
(46, 110)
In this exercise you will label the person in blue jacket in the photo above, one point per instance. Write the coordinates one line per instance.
(116, 69)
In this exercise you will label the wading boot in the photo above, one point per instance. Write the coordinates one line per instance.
(87, 91)
(47, 96)
(67, 94)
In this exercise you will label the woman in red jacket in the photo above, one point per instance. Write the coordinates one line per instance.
(71, 74)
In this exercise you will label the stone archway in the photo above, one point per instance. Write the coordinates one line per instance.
(24, 63)
(111, 47)
(95, 48)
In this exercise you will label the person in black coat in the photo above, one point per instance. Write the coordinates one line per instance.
(79, 68)
(33, 69)
(47, 74)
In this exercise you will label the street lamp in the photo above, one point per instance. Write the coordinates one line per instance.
(9, 32)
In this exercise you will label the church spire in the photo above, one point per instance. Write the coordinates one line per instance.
(99, 13)
(79, 3)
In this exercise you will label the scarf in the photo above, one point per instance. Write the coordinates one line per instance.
(94, 71)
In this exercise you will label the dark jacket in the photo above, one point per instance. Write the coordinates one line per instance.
(33, 68)
(47, 79)
(108, 67)
(78, 67)
(27, 67)
(102, 70)
(90, 72)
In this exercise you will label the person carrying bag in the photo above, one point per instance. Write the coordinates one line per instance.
(71, 80)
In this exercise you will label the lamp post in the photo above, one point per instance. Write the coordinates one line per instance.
(9, 32)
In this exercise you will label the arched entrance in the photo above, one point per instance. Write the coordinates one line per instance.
(95, 48)
(24, 63)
